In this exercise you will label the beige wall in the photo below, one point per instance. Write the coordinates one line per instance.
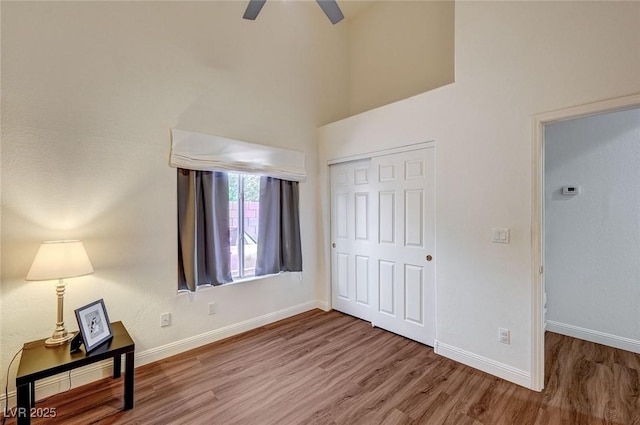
(513, 60)
(399, 49)
(90, 91)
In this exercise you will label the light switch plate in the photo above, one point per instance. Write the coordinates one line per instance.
(504, 335)
(165, 320)
(501, 235)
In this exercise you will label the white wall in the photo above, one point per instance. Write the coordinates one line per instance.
(592, 240)
(89, 93)
(399, 49)
(513, 60)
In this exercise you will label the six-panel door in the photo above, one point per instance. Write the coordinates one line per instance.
(383, 229)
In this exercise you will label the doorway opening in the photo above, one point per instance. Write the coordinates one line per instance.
(541, 123)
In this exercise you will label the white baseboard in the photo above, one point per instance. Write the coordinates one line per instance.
(60, 383)
(484, 364)
(196, 341)
(598, 337)
(323, 305)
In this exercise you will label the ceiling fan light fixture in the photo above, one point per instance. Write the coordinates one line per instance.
(332, 10)
(253, 8)
(329, 7)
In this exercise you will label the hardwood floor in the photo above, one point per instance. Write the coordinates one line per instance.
(333, 369)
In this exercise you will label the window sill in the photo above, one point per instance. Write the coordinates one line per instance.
(243, 280)
(251, 278)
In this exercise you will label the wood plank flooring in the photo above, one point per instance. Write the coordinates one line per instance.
(328, 368)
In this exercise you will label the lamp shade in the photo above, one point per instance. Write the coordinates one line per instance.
(59, 260)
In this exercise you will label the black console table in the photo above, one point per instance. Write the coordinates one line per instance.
(38, 362)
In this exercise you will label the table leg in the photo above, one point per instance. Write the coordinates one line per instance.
(24, 404)
(128, 381)
(32, 394)
(117, 366)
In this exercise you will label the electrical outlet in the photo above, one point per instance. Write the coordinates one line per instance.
(165, 319)
(504, 335)
(212, 308)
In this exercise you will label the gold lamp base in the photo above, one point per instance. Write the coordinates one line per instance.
(57, 341)
(60, 335)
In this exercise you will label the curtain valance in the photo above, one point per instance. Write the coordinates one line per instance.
(197, 151)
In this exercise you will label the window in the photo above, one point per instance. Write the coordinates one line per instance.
(244, 211)
(232, 224)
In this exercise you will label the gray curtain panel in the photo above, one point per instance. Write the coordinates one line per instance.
(204, 256)
(279, 247)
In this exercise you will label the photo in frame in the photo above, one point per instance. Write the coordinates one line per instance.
(94, 325)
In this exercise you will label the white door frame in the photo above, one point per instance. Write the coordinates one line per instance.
(537, 217)
(384, 152)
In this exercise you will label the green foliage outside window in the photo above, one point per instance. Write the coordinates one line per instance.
(251, 188)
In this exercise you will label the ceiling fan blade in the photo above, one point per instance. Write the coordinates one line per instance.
(332, 10)
(254, 7)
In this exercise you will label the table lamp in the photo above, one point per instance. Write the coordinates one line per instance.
(60, 260)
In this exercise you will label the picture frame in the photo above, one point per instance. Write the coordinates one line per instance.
(94, 325)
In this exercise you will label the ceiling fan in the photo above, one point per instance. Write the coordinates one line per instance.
(330, 8)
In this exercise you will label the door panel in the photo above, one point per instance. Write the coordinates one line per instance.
(362, 216)
(386, 287)
(413, 287)
(386, 172)
(386, 217)
(351, 233)
(343, 275)
(361, 175)
(414, 169)
(341, 215)
(383, 225)
(413, 217)
(362, 279)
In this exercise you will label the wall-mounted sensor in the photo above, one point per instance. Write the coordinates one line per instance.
(570, 190)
